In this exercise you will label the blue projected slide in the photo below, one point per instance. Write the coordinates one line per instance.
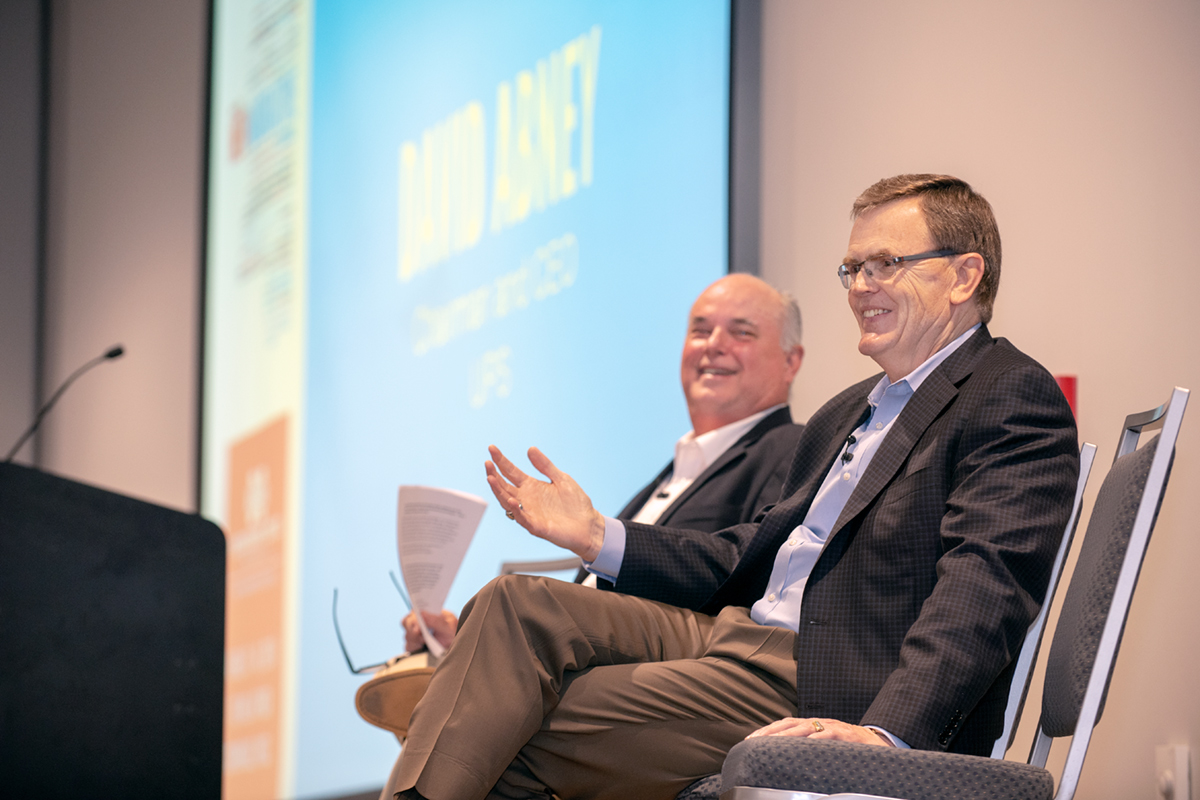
(509, 209)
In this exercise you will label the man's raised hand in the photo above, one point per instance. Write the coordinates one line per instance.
(557, 511)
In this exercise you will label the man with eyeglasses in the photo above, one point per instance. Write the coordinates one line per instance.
(881, 601)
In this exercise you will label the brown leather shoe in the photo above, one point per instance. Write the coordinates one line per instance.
(388, 698)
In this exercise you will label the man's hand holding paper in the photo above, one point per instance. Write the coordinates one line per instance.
(443, 627)
(433, 529)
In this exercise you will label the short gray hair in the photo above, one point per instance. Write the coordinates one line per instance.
(790, 326)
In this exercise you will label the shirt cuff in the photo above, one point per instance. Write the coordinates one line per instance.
(612, 551)
(895, 740)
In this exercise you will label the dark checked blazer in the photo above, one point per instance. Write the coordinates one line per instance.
(743, 479)
(935, 567)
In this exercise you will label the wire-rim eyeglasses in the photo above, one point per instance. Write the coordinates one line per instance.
(883, 267)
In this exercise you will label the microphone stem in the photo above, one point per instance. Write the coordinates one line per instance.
(50, 404)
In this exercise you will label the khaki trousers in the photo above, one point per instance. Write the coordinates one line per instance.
(552, 687)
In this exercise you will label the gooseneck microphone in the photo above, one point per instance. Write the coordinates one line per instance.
(113, 352)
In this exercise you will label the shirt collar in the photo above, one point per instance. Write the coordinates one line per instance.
(694, 454)
(914, 379)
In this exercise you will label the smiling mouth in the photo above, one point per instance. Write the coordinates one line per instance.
(875, 312)
(715, 371)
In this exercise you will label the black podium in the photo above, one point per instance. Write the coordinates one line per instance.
(112, 616)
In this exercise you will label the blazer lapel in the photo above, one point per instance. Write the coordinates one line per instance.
(735, 451)
(641, 498)
(936, 392)
(790, 512)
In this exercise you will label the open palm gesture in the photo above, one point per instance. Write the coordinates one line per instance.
(557, 510)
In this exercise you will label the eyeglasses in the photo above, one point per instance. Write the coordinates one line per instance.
(882, 268)
(337, 629)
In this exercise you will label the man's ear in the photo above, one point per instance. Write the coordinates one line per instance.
(968, 272)
(794, 358)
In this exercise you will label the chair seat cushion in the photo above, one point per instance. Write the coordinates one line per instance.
(829, 767)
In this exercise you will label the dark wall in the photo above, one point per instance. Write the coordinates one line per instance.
(20, 135)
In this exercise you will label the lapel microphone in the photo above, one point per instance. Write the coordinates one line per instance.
(115, 351)
(848, 456)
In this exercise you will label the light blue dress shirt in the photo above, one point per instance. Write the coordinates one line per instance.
(780, 605)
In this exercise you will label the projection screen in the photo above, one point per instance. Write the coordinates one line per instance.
(431, 227)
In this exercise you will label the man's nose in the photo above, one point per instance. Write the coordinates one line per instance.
(859, 283)
(718, 340)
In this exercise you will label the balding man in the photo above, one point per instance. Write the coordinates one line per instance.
(881, 601)
(740, 355)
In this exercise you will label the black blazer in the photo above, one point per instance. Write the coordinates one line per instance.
(935, 567)
(743, 479)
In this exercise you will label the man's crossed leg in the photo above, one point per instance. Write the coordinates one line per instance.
(552, 687)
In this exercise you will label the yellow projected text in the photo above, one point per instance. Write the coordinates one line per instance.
(544, 153)
(537, 117)
(552, 268)
(442, 191)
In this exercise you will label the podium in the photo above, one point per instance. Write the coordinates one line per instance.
(112, 616)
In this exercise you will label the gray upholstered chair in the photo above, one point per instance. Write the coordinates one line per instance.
(708, 788)
(1079, 666)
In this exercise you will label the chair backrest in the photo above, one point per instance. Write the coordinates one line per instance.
(1023, 671)
(1088, 634)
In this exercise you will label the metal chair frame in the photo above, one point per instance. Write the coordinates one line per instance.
(1168, 417)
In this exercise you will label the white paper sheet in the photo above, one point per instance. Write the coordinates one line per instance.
(434, 527)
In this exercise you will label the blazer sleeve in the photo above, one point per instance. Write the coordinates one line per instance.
(677, 566)
(1014, 469)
